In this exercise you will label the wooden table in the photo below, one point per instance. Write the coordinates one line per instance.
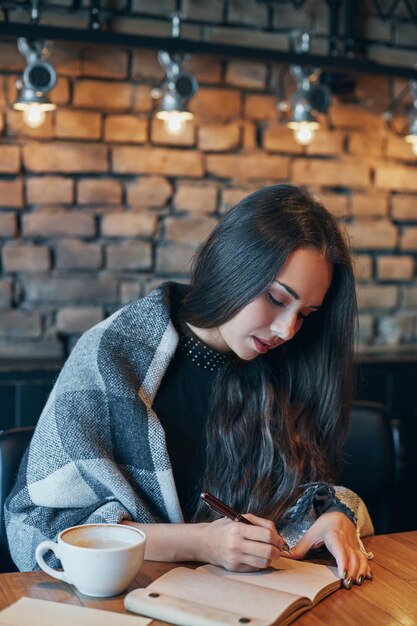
(389, 600)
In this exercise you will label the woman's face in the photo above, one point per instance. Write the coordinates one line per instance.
(276, 315)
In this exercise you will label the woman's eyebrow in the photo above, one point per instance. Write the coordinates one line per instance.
(295, 295)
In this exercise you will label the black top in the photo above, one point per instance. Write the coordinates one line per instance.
(182, 404)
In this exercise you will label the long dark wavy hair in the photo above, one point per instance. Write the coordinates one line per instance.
(279, 420)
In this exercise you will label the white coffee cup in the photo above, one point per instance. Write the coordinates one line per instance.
(100, 560)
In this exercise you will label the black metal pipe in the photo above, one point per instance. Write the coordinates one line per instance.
(201, 47)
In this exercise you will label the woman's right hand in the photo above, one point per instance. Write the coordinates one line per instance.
(240, 547)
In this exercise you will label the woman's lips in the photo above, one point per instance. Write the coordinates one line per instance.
(261, 345)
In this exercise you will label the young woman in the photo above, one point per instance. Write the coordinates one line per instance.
(239, 384)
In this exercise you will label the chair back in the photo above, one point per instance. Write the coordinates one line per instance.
(371, 461)
(13, 444)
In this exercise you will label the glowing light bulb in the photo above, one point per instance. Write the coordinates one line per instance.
(34, 115)
(174, 120)
(304, 134)
(174, 124)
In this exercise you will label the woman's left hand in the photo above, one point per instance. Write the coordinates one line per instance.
(338, 534)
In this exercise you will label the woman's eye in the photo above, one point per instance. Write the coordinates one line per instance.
(274, 301)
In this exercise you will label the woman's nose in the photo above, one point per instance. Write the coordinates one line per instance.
(285, 327)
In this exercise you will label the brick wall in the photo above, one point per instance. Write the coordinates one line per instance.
(100, 204)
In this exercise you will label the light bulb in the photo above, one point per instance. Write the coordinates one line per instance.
(174, 120)
(33, 115)
(304, 134)
(174, 123)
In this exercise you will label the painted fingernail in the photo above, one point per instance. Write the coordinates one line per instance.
(345, 573)
(286, 548)
(360, 579)
(348, 583)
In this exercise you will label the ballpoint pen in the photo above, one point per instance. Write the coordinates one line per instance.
(219, 506)
(227, 511)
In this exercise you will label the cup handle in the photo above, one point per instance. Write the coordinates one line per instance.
(40, 551)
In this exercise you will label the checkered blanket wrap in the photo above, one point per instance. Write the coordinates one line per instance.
(99, 453)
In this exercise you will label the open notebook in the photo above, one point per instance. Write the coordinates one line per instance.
(210, 595)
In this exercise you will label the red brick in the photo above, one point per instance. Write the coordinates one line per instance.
(65, 157)
(104, 62)
(126, 128)
(398, 177)
(49, 190)
(9, 159)
(219, 137)
(76, 320)
(16, 126)
(221, 104)
(169, 162)
(71, 289)
(149, 191)
(246, 74)
(330, 173)
(372, 235)
(129, 256)
(11, 193)
(173, 259)
(61, 93)
(376, 297)
(16, 324)
(190, 231)
(248, 167)
(364, 143)
(278, 138)
(160, 135)
(103, 95)
(206, 69)
(374, 90)
(5, 293)
(345, 115)
(398, 148)
(409, 239)
(142, 99)
(77, 124)
(326, 142)
(73, 254)
(230, 197)
(250, 136)
(261, 108)
(362, 265)
(8, 225)
(66, 58)
(58, 224)
(99, 191)
(129, 225)
(25, 258)
(145, 65)
(336, 203)
(395, 267)
(196, 198)
(10, 58)
(369, 205)
(404, 208)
